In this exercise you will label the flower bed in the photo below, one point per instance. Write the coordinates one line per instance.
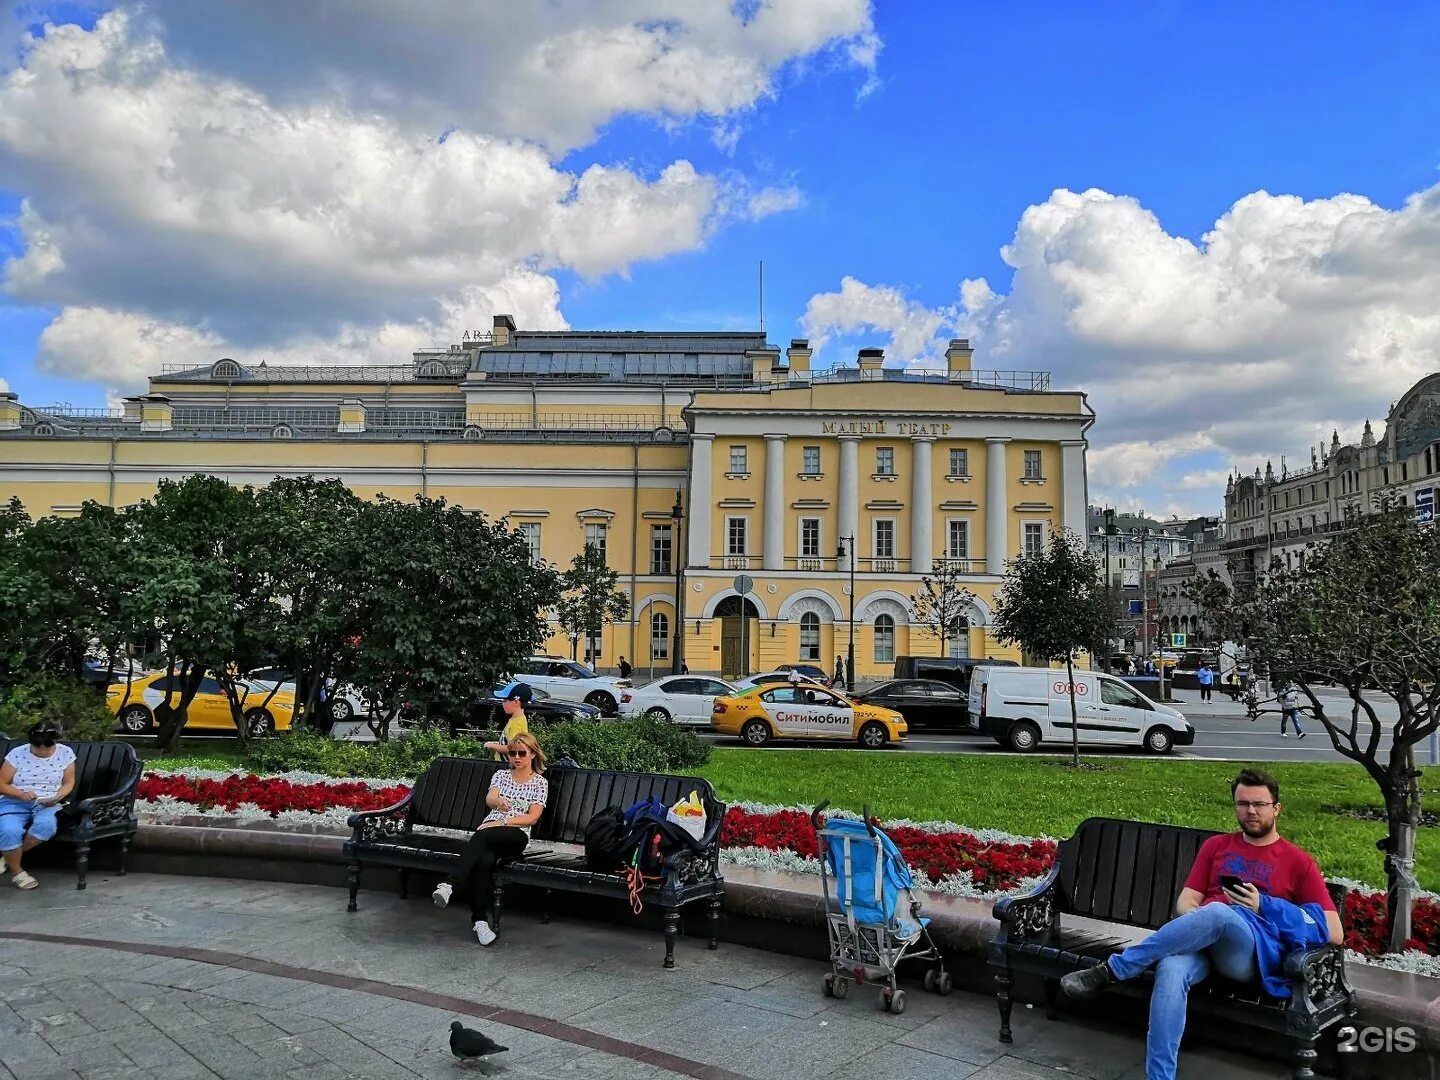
(943, 857)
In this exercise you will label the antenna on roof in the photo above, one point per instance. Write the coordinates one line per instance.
(762, 296)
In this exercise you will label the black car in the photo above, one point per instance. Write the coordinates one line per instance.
(486, 714)
(925, 703)
(954, 670)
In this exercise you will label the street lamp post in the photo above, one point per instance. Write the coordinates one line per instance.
(677, 654)
(850, 655)
(1110, 531)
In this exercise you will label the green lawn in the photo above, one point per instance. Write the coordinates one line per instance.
(1034, 797)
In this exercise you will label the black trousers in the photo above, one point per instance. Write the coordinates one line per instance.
(477, 863)
(1204, 693)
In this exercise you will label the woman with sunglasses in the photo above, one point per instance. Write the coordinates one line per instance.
(34, 781)
(516, 800)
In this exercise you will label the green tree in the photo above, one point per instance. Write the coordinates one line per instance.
(1053, 604)
(942, 605)
(1361, 612)
(590, 599)
(449, 601)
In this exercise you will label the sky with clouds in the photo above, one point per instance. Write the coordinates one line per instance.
(1223, 223)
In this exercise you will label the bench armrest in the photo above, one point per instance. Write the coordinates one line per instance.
(1319, 980)
(370, 825)
(710, 842)
(98, 811)
(1032, 915)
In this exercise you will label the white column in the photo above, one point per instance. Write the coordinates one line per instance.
(922, 509)
(996, 519)
(849, 495)
(701, 470)
(1072, 485)
(774, 511)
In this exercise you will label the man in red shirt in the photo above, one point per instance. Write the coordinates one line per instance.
(1210, 933)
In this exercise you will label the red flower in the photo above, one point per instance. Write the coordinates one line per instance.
(272, 794)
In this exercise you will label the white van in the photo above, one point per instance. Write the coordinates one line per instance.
(1021, 707)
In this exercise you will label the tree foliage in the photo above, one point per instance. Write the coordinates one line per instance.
(1053, 604)
(1361, 612)
(943, 604)
(590, 599)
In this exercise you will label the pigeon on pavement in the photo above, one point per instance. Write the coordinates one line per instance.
(467, 1044)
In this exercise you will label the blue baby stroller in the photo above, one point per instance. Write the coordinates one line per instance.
(873, 920)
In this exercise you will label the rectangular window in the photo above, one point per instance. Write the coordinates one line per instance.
(959, 462)
(958, 541)
(738, 460)
(809, 538)
(884, 461)
(884, 538)
(1404, 471)
(1034, 538)
(735, 535)
(530, 530)
(595, 537)
(1032, 465)
(659, 636)
(661, 545)
(811, 456)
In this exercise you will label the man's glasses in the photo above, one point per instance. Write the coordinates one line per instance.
(517, 753)
(1241, 804)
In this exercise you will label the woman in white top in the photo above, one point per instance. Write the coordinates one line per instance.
(516, 799)
(34, 781)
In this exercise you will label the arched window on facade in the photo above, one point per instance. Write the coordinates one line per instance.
(659, 636)
(884, 639)
(810, 636)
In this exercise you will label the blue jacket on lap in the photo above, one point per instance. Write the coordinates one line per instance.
(1282, 928)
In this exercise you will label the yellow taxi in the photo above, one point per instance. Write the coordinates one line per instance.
(804, 711)
(134, 704)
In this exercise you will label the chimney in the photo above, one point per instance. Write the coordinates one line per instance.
(9, 412)
(134, 410)
(798, 357)
(763, 363)
(352, 416)
(958, 356)
(504, 331)
(871, 361)
(156, 413)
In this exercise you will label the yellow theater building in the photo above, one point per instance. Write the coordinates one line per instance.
(713, 449)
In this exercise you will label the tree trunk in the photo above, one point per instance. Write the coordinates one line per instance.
(1403, 811)
(1074, 712)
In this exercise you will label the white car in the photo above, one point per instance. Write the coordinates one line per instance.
(570, 681)
(683, 699)
(346, 703)
(1021, 707)
(775, 678)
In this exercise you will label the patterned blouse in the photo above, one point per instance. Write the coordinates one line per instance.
(521, 797)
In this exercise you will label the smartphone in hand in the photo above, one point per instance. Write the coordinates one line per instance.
(1231, 882)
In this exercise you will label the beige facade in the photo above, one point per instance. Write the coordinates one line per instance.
(582, 437)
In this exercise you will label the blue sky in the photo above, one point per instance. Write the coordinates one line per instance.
(907, 173)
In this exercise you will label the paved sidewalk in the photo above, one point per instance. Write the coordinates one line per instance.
(241, 980)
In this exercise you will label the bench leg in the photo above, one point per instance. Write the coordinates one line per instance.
(1002, 998)
(497, 898)
(714, 918)
(545, 905)
(404, 884)
(1302, 1057)
(672, 932)
(82, 863)
(124, 852)
(1052, 999)
(352, 878)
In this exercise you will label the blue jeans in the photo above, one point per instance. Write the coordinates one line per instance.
(18, 818)
(1183, 952)
(1293, 716)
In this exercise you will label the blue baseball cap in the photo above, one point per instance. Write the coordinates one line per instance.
(516, 691)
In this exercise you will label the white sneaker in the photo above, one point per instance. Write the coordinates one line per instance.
(1284, 735)
(483, 933)
(442, 892)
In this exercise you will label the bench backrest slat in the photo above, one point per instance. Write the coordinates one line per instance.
(1126, 871)
(451, 795)
(100, 767)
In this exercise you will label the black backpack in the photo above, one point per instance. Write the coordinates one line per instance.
(607, 841)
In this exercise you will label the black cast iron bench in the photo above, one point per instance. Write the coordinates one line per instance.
(102, 805)
(1131, 872)
(451, 796)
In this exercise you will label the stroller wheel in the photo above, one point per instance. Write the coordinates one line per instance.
(944, 984)
(930, 979)
(841, 987)
(829, 985)
(894, 1000)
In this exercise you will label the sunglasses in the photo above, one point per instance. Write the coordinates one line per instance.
(517, 753)
(43, 740)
